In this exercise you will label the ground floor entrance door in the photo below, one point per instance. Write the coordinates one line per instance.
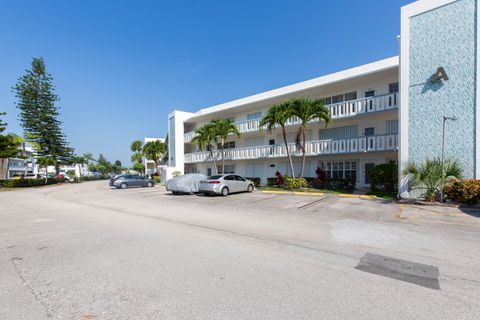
(368, 167)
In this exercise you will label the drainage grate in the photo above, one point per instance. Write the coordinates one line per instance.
(416, 273)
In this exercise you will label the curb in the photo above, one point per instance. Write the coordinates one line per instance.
(341, 195)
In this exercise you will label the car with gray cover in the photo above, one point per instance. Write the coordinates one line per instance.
(185, 184)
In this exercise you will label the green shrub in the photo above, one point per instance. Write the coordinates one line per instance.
(256, 181)
(295, 183)
(384, 177)
(465, 191)
(331, 183)
(271, 182)
(156, 179)
(25, 183)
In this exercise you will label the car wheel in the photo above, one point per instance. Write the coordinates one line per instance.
(149, 184)
(123, 186)
(224, 191)
(250, 188)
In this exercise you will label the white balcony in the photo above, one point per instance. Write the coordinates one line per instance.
(338, 110)
(318, 147)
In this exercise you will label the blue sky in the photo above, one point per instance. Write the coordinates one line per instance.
(121, 66)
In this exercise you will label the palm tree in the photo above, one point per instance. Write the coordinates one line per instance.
(154, 150)
(222, 128)
(88, 157)
(307, 110)
(204, 136)
(277, 115)
(431, 175)
(45, 162)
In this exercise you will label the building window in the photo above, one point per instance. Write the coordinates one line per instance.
(369, 93)
(393, 87)
(228, 169)
(351, 96)
(392, 126)
(227, 145)
(253, 116)
(337, 98)
(339, 169)
(328, 100)
(369, 131)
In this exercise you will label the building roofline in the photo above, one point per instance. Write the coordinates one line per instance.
(332, 78)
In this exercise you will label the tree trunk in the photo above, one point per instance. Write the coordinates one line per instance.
(57, 168)
(223, 156)
(3, 169)
(214, 161)
(288, 152)
(304, 151)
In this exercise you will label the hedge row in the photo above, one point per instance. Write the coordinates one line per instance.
(465, 191)
(328, 183)
(24, 183)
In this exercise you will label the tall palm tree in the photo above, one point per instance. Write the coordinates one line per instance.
(204, 136)
(277, 115)
(431, 175)
(154, 150)
(222, 128)
(88, 157)
(307, 110)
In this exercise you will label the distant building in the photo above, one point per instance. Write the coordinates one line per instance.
(24, 164)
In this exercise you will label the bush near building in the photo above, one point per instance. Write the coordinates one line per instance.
(295, 183)
(256, 181)
(384, 177)
(465, 191)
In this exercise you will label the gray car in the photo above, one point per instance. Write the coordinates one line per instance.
(132, 180)
(224, 184)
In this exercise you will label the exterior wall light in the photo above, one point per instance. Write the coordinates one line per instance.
(439, 75)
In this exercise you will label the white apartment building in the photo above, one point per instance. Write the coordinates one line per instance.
(364, 132)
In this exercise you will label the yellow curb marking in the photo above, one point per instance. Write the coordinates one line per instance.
(360, 196)
(278, 192)
(309, 193)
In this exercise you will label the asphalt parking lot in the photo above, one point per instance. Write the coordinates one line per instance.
(86, 251)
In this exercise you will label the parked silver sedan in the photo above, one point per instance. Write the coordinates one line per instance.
(224, 184)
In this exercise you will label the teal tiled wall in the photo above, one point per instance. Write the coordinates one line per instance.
(443, 37)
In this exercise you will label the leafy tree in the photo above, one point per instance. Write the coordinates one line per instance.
(154, 150)
(117, 167)
(103, 165)
(222, 128)
(136, 148)
(139, 167)
(277, 115)
(39, 115)
(45, 162)
(307, 110)
(431, 175)
(9, 145)
(204, 136)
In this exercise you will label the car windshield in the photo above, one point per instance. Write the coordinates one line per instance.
(215, 177)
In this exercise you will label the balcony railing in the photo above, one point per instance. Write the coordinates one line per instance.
(318, 147)
(338, 111)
